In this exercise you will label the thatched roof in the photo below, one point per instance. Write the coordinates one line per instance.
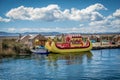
(117, 36)
(38, 35)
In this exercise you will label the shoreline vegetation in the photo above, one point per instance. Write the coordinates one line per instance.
(9, 46)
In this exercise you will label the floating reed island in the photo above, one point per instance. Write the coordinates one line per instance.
(106, 41)
(99, 46)
(10, 48)
(21, 45)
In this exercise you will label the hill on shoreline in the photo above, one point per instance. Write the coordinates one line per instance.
(47, 33)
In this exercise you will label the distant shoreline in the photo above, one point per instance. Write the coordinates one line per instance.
(7, 34)
(96, 45)
(106, 47)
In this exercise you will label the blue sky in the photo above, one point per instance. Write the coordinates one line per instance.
(85, 16)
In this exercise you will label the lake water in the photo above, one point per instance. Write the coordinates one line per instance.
(95, 65)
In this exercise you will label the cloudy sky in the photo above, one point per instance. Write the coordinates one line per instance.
(85, 16)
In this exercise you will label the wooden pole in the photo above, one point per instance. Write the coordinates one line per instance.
(101, 40)
(1, 45)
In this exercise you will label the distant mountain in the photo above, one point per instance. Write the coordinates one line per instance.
(8, 34)
(46, 33)
(42, 33)
(26, 33)
(50, 33)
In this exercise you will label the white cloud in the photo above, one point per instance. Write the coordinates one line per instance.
(11, 29)
(110, 23)
(4, 19)
(105, 26)
(90, 19)
(96, 16)
(117, 13)
(25, 29)
(91, 29)
(89, 13)
(115, 24)
(53, 13)
(81, 25)
(94, 7)
(99, 23)
(30, 13)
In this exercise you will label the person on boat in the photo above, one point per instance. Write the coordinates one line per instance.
(67, 39)
(81, 42)
(49, 39)
(63, 38)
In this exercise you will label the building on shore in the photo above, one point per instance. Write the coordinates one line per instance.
(24, 39)
(96, 39)
(116, 39)
(33, 40)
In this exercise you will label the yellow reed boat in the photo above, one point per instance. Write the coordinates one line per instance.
(71, 44)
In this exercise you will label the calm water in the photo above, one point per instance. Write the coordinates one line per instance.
(97, 64)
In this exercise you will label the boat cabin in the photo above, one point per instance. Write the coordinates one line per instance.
(72, 41)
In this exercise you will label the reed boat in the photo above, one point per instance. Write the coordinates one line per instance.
(71, 44)
(39, 50)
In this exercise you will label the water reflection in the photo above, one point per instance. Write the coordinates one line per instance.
(105, 55)
(67, 66)
(65, 58)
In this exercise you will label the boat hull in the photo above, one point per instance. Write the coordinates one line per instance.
(48, 46)
(39, 51)
(55, 49)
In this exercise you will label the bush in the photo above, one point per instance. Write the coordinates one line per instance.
(5, 45)
(11, 48)
(16, 48)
